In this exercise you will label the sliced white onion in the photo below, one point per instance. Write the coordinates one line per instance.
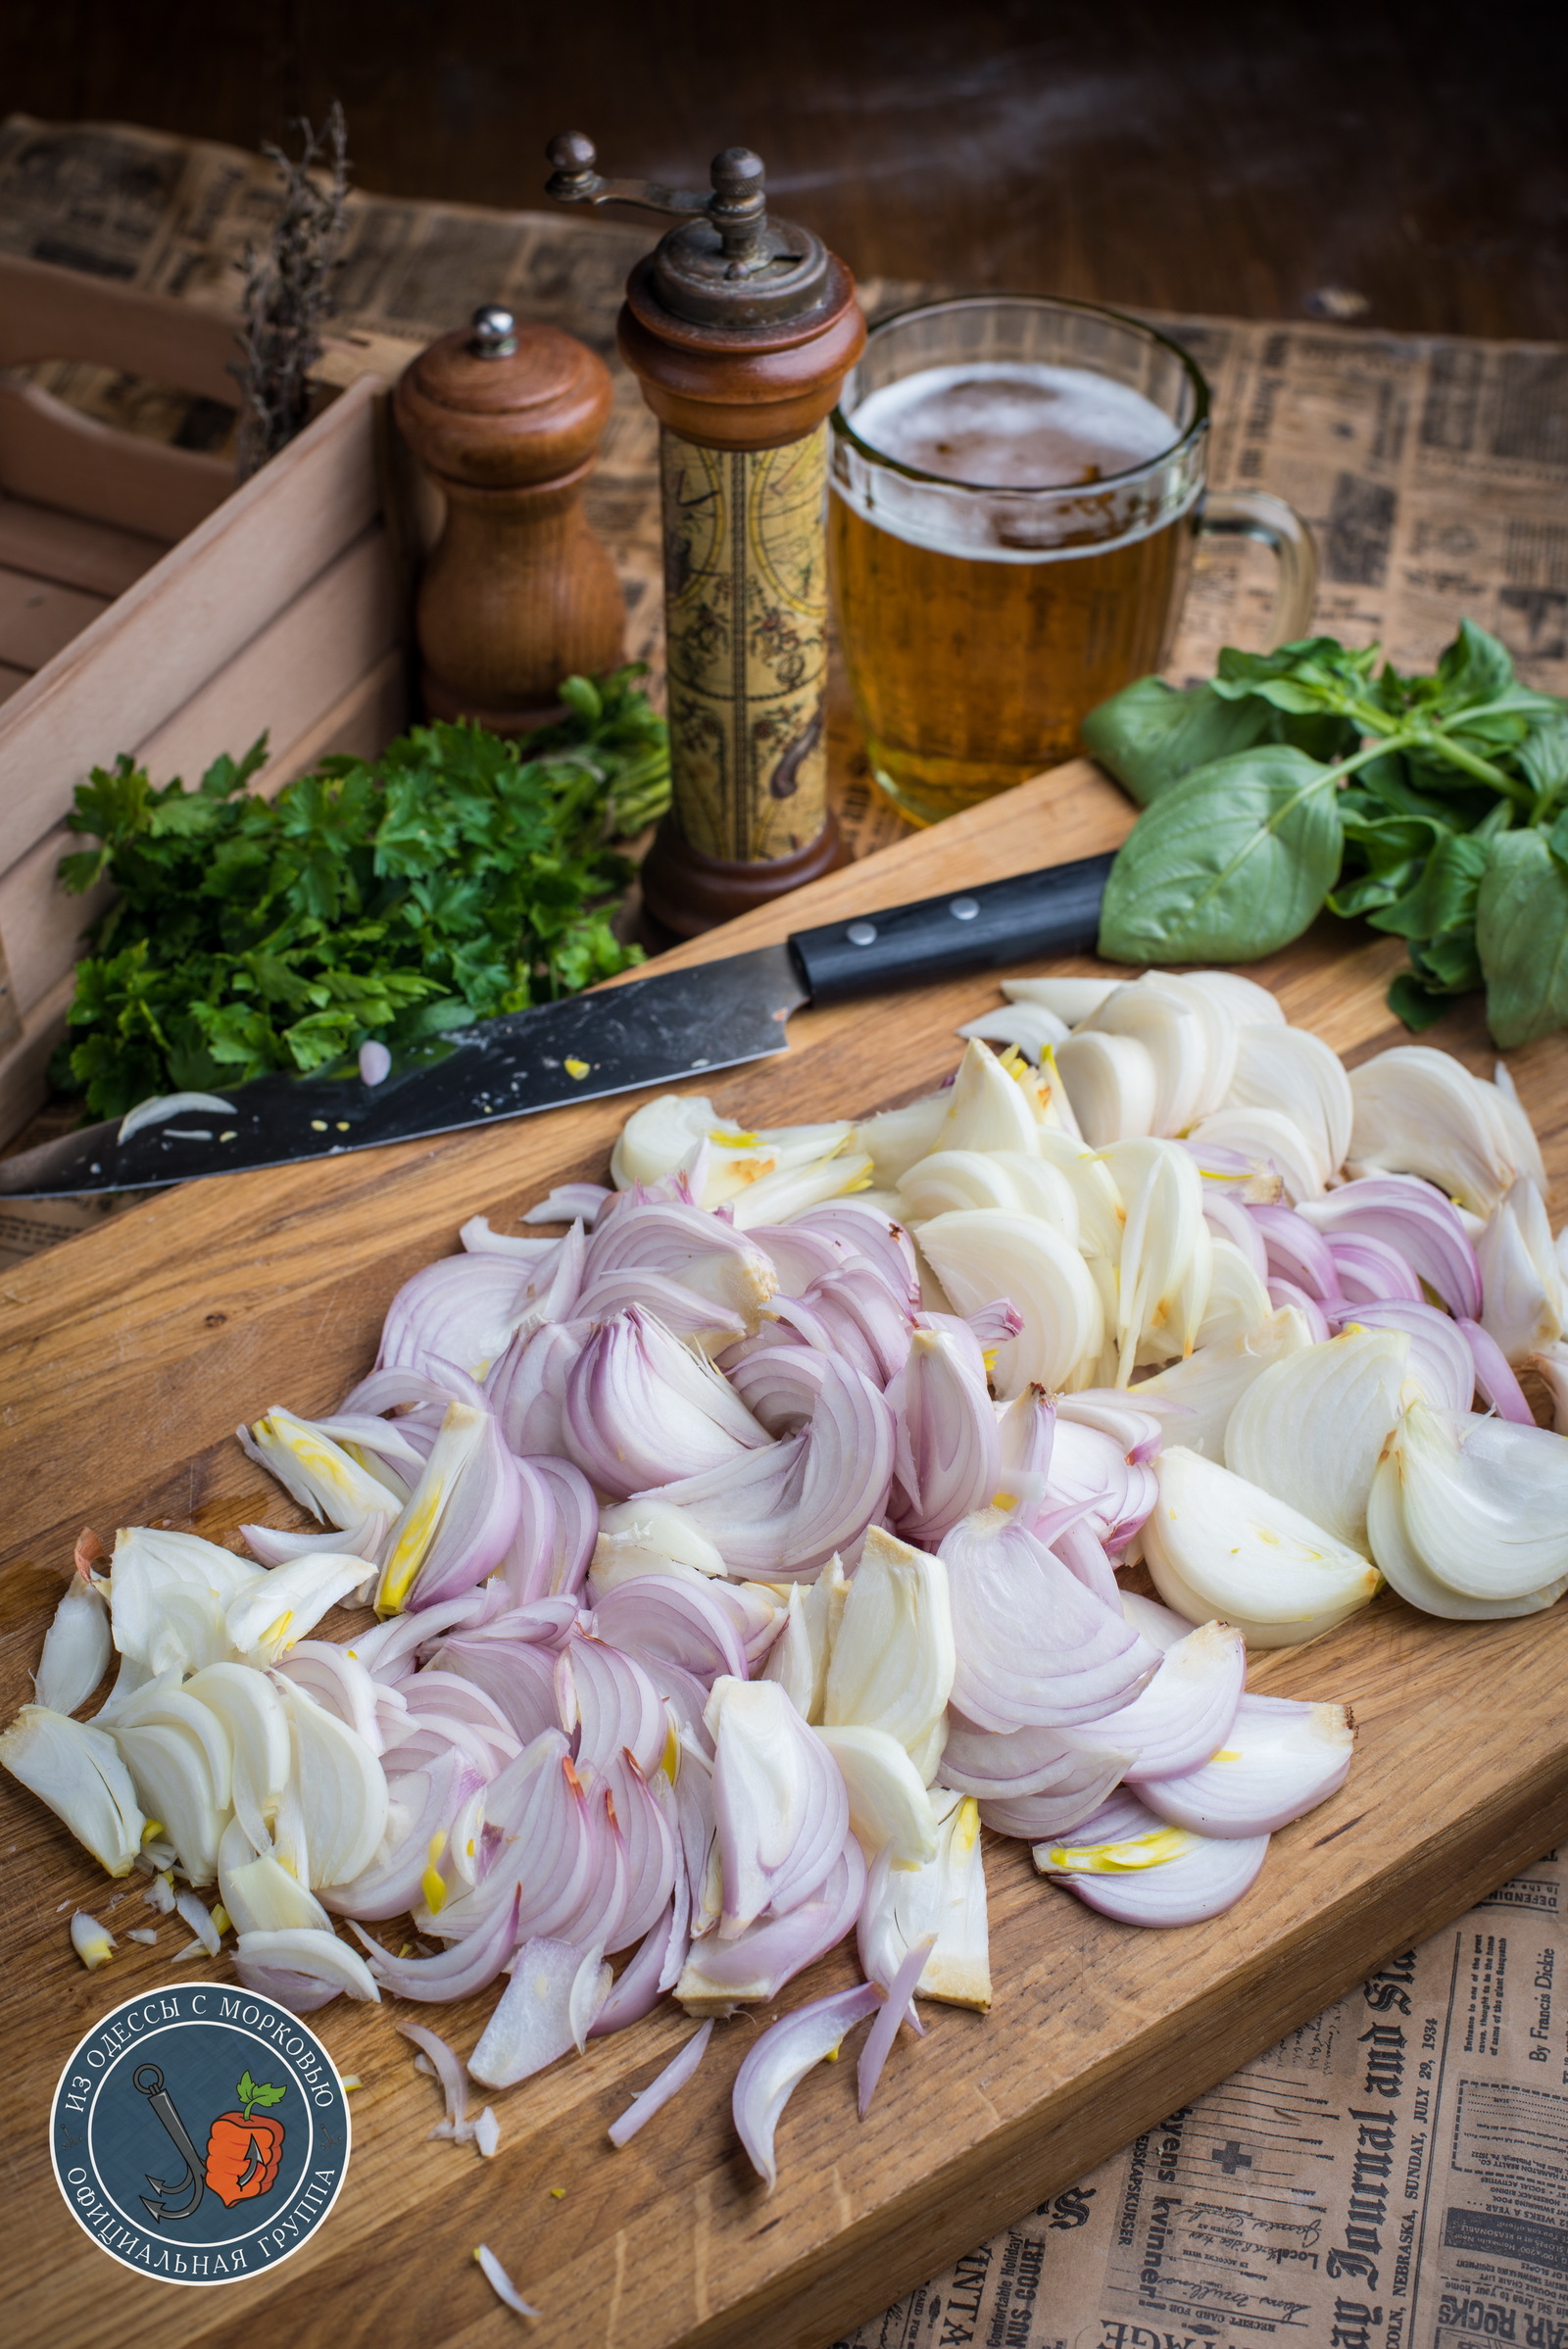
(1218, 1546)
(892, 1656)
(77, 1648)
(985, 1254)
(942, 1902)
(1194, 1399)
(1311, 1429)
(1483, 1505)
(1419, 1111)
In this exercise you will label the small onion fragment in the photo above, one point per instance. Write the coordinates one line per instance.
(780, 2060)
(658, 2092)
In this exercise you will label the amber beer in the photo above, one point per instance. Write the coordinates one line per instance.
(1010, 538)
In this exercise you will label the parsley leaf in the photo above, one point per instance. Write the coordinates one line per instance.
(453, 877)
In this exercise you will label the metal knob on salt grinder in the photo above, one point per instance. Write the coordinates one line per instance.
(518, 592)
(741, 329)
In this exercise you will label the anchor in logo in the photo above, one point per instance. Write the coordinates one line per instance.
(243, 2152)
(148, 2082)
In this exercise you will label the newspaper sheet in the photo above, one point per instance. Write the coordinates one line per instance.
(1392, 2176)
(1395, 2173)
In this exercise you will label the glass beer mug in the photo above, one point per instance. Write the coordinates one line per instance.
(1017, 488)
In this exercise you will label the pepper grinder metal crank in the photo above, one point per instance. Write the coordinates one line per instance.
(740, 330)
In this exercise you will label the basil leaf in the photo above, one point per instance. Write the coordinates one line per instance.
(1417, 1006)
(1475, 668)
(1543, 755)
(1227, 864)
(1522, 933)
(1444, 897)
(1149, 735)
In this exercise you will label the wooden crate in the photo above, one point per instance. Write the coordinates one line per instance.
(147, 605)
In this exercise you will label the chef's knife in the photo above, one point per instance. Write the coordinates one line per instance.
(648, 1031)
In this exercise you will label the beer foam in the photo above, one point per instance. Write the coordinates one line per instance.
(1014, 424)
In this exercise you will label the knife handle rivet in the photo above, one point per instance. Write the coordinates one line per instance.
(861, 933)
(963, 908)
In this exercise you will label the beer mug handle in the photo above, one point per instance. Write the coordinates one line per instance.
(1255, 514)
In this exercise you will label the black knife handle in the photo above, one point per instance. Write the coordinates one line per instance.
(1053, 911)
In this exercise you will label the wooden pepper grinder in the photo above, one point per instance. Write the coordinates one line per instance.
(518, 592)
(741, 329)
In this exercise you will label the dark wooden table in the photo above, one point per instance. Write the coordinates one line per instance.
(1215, 155)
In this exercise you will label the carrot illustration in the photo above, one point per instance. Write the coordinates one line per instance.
(243, 2151)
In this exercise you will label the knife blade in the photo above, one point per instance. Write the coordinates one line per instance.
(648, 1031)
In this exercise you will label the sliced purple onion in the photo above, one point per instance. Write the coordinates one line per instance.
(1085, 1557)
(866, 1233)
(683, 1622)
(683, 1313)
(615, 1706)
(518, 1675)
(1185, 1712)
(462, 1518)
(1280, 1759)
(1371, 1272)
(462, 1309)
(640, 1985)
(1035, 1649)
(947, 1456)
(721, 1975)
(1295, 1250)
(643, 1816)
(1116, 1414)
(526, 1387)
(1203, 1877)
(780, 1513)
(896, 2007)
(1028, 1817)
(1227, 1219)
(1416, 1219)
(1495, 1377)
(703, 1252)
(658, 2092)
(454, 1973)
(643, 1410)
(1440, 1359)
(780, 2060)
(999, 1767)
(799, 1255)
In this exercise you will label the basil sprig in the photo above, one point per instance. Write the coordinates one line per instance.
(1437, 807)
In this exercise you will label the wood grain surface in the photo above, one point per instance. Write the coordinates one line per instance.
(1234, 157)
(126, 1358)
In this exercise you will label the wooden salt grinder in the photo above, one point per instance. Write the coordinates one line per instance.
(740, 330)
(518, 592)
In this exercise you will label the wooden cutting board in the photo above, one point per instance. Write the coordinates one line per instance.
(126, 1358)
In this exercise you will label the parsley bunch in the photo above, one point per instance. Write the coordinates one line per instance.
(455, 876)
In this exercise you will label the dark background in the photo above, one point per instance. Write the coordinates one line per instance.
(1208, 156)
